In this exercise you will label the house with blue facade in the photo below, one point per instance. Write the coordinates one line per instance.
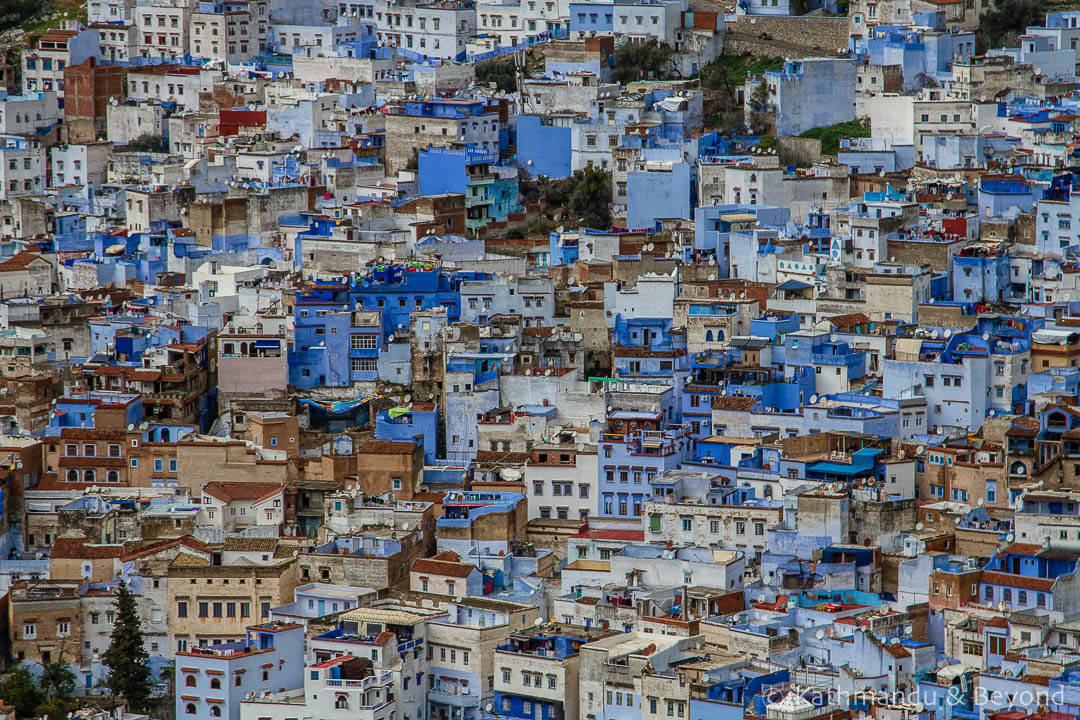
(795, 92)
(589, 19)
(212, 681)
(411, 422)
(544, 144)
(1030, 577)
(538, 668)
(342, 326)
(980, 274)
(490, 188)
(658, 185)
(635, 450)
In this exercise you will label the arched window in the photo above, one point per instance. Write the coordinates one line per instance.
(768, 492)
(89, 476)
(73, 476)
(113, 476)
(164, 434)
(708, 336)
(227, 349)
(342, 702)
(1021, 597)
(215, 683)
(191, 681)
(215, 711)
(239, 680)
(189, 708)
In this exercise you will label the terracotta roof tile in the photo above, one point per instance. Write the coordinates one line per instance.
(79, 549)
(228, 491)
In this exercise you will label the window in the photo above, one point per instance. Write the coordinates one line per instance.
(189, 709)
(29, 631)
(215, 683)
(181, 609)
(687, 524)
(191, 681)
(63, 628)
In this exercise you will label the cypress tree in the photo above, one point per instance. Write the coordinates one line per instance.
(129, 675)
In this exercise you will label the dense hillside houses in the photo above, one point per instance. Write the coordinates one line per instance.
(539, 360)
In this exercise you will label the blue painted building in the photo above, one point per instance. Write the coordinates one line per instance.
(658, 185)
(591, 18)
(420, 421)
(637, 449)
(543, 144)
(980, 274)
(795, 92)
(547, 657)
(341, 326)
(490, 189)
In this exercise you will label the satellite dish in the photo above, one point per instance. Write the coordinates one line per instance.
(957, 520)
(948, 332)
(570, 280)
(986, 336)
(919, 450)
(981, 501)
(820, 634)
(391, 338)
(1010, 537)
(404, 526)
(547, 372)
(408, 397)
(908, 629)
(489, 705)
(934, 333)
(761, 598)
(539, 622)
(894, 641)
(813, 399)
(918, 526)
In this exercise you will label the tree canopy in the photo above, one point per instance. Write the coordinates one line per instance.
(641, 61)
(129, 675)
(1006, 20)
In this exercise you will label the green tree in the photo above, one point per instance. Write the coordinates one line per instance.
(129, 675)
(143, 143)
(1003, 23)
(502, 72)
(14, 13)
(57, 680)
(591, 197)
(18, 690)
(641, 61)
(759, 99)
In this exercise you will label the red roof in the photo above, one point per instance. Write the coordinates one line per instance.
(228, 491)
(77, 548)
(624, 535)
(1017, 581)
(19, 261)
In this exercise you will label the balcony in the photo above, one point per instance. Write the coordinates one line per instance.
(367, 683)
(450, 695)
